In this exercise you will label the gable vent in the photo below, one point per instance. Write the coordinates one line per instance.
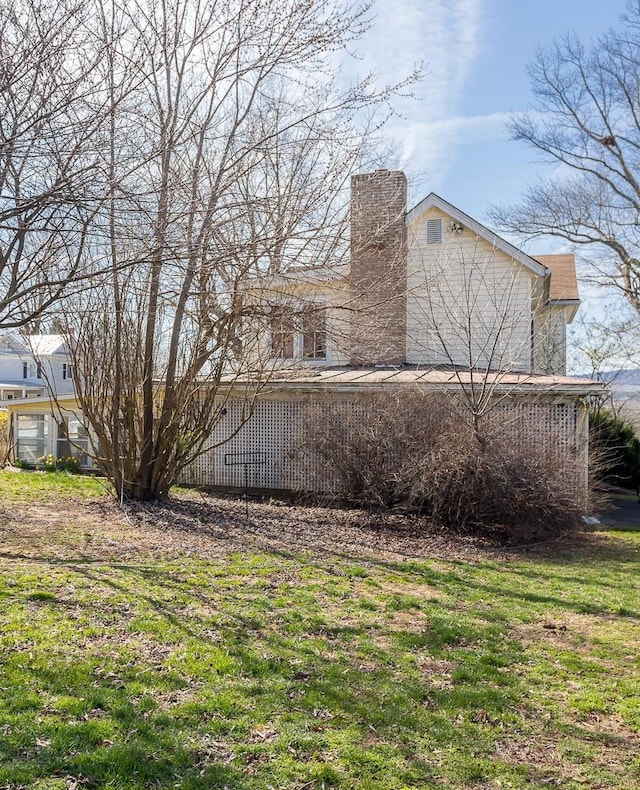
(434, 231)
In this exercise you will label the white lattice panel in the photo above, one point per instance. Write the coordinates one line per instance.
(276, 426)
(541, 422)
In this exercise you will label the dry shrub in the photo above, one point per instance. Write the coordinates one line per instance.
(418, 451)
(374, 451)
(502, 490)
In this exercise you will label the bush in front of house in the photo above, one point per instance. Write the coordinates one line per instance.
(617, 448)
(421, 452)
(375, 451)
(501, 489)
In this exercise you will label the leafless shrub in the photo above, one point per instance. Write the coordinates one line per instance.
(503, 490)
(418, 451)
(375, 453)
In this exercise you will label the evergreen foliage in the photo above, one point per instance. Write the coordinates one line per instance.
(617, 449)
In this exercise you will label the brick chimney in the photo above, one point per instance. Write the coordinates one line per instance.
(378, 271)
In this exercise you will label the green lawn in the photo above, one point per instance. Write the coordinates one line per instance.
(292, 669)
(22, 486)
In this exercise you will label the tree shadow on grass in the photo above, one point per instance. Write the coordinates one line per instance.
(108, 739)
(458, 579)
(107, 716)
(336, 696)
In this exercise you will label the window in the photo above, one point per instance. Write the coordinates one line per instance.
(434, 231)
(73, 440)
(31, 371)
(282, 333)
(314, 334)
(32, 437)
(67, 373)
(298, 335)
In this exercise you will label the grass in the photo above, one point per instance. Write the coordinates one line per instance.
(27, 486)
(273, 669)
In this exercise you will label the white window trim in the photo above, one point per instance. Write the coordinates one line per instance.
(30, 370)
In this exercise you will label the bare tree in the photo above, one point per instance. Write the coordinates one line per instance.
(477, 313)
(49, 114)
(228, 160)
(603, 348)
(608, 351)
(586, 121)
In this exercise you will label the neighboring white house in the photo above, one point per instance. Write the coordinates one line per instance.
(33, 365)
(36, 367)
(430, 298)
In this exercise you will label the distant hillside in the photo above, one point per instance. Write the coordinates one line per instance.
(623, 376)
(625, 388)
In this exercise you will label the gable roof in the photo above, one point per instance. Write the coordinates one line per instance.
(44, 345)
(15, 342)
(12, 341)
(563, 286)
(435, 201)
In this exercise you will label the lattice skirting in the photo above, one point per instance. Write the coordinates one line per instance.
(271, 435)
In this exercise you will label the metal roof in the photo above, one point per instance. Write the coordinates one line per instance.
(446, 378)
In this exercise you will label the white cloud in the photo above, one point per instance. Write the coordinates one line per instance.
(430, 146)
(446, 36)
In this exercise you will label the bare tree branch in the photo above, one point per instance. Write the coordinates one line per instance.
(587, 121)
(229, 149)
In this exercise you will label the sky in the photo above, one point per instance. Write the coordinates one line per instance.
(454, 140)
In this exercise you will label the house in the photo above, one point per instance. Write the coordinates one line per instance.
(428, 287)
(429, 298)
(33, 365)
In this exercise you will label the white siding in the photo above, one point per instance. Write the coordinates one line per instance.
(550, 350)
(51, 382)
(468, 304)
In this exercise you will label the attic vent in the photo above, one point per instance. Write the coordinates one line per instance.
(434, 231)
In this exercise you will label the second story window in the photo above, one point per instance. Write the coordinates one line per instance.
(298, 334)
(31, 371)
(314, 334)
(282, 333)
(67, 373)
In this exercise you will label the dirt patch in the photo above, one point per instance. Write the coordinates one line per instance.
(196, 524)
(574, 631)
(546, 755)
